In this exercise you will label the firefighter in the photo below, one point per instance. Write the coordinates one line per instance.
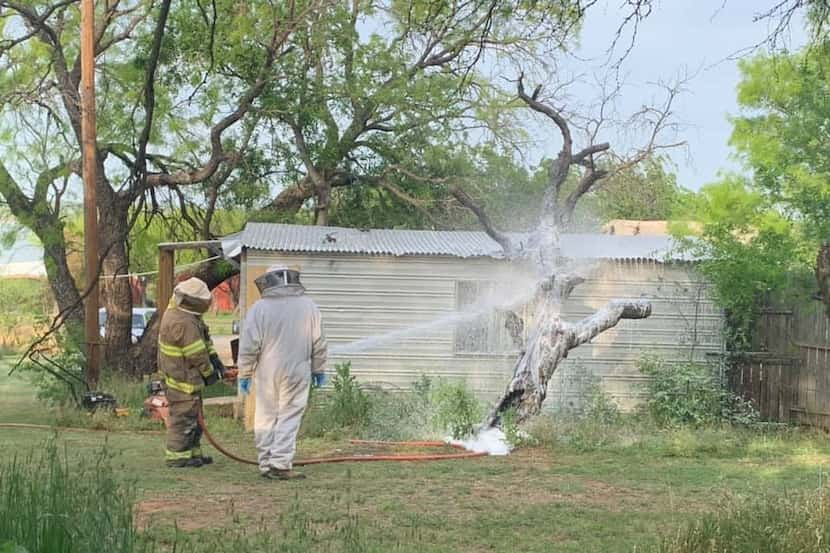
(283, 348)
(188, 361)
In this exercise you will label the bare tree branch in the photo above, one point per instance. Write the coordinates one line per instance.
(140, 165)
(501, 238)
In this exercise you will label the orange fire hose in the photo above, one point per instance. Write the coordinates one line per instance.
(355, 458)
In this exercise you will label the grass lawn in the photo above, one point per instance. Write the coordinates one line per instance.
(619, 497)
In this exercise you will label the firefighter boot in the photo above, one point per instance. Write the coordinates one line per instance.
(192, 462)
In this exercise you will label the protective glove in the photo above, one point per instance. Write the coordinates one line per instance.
(218, 367)
(211, 379)
(244, 386)
(318, 380)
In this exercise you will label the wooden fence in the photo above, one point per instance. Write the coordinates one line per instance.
(787, 378)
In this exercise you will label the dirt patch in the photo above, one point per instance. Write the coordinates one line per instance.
(190, 512)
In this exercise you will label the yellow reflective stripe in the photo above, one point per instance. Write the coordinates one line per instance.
(194, 348)
(206, 370)
(211, 349)
(171, 351)
(177, 455)
(185, 387)
(187, 351)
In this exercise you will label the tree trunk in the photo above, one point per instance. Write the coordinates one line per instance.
(63, 284)
(321, 210)
(823, 275)
(116, 293)
(142, 356)
(548, 344)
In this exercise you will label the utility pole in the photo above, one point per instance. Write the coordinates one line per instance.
(90, 166)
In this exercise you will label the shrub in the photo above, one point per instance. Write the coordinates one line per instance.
(59, 378)
(401, 415)
(427, 410)
(345, 409)
(688, 393)
(349, 404)
(456, 409)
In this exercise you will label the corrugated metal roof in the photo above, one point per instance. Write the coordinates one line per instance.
(310, 239)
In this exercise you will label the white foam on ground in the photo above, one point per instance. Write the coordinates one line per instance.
(491, 441)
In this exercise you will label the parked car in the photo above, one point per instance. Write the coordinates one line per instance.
(141, 316)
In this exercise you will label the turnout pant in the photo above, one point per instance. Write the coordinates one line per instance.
(183, 432)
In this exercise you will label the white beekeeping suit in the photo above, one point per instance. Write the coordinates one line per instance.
(281, 346)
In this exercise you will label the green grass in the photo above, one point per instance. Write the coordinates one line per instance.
(49, 505)
(17, 397)
(614, 490)
(792, 522)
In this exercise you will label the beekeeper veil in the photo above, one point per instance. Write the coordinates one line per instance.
(192, 295)
(278, 276)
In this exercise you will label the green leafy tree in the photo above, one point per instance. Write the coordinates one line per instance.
(176, 88)
(647, 192)
(746, 247)
(396, 108)
(302, 109)
(763, 232)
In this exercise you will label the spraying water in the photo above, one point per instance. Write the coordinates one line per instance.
(508, 296)
(519, 291)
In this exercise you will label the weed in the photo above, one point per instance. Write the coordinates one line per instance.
(688, 393)
(799, 522)
(345, 409)
(456, 409)
(349, 404)
(48, 505)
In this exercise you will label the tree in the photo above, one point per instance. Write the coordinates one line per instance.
(154, 104)
(761, 234)
(383, 110)
(209, 106)
(645, 192)
(780, 141)
(746, 247)
(550, 338)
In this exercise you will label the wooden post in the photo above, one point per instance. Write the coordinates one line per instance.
(89, 153)
(165, 284)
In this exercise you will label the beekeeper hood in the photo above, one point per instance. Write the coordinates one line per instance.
(278, 276)
(192, 295)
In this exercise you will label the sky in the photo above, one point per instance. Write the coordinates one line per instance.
(695, 37)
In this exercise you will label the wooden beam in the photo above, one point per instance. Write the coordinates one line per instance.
(90, 166)
(165, 284)
(206, 244)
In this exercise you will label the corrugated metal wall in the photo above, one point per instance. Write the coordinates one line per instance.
(364, 296)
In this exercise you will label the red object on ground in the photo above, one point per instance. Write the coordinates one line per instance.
(157, 408)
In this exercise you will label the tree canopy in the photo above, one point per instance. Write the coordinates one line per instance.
(761, 233)
(298, 110)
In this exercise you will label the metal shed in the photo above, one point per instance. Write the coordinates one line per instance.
(402, 303)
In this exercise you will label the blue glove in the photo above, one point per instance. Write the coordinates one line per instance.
(318, 380)
(245, 386)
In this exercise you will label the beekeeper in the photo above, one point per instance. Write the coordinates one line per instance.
(188, 361)
(283, 349)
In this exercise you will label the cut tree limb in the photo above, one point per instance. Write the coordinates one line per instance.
(549, 344)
